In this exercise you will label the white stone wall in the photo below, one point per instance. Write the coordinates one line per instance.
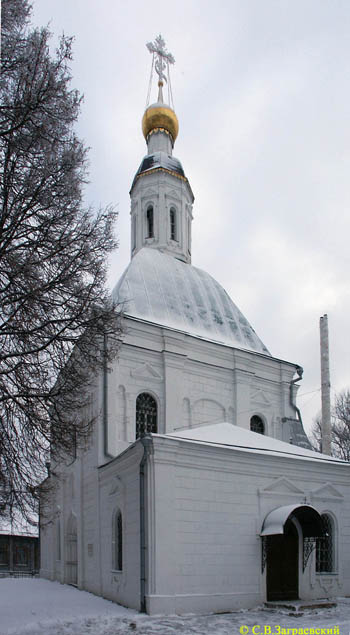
(119, 488)
(194, 382)
(75, 496)
(207, 554)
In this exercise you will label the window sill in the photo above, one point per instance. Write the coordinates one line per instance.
(117, 571)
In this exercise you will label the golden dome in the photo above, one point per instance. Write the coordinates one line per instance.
(160, 115)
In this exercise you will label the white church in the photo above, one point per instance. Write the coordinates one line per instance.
(199, 491)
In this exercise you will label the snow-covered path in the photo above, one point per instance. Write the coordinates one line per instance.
(40, 607)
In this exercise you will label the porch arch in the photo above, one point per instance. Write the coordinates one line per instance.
(280, 538)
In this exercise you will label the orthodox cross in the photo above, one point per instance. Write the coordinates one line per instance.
(163, 58)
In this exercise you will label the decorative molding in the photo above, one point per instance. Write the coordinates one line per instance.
(309, 545)
(117, 486)
(327, 492)
(328, 583)
(146, 371)
(280, 487)
(174, 194)
(149, 192)
(258, 398)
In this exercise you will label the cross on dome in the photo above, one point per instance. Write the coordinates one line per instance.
(163, 57)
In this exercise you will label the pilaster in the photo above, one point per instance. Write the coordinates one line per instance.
(174, 360)
(242, 381)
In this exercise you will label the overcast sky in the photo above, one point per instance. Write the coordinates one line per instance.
(262, 92)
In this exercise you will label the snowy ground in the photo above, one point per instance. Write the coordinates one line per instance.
(39, 607)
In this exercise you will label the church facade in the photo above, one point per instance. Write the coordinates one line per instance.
(199, 474)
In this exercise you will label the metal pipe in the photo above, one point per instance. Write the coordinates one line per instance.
(105, 400)
(299, 371)
(147, 443)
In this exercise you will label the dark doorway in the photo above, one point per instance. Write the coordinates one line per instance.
(282, 579)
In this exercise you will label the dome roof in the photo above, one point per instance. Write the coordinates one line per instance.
(163, 290)
(160, 115)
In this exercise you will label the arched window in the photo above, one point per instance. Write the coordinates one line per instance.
(149, 219)
(325, 547)
(257, 424)
(117, 541)
(146, 414)
(173, 228)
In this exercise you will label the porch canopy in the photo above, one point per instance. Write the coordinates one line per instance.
(308, 517)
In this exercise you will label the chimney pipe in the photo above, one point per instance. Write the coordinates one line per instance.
(325, 387)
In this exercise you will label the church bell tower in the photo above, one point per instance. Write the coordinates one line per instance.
(161, 196)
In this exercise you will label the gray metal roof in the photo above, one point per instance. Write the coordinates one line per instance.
(163, 290)
(159, 160)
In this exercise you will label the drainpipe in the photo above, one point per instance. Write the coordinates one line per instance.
(147, 443)
(105, 400)
(299, 371)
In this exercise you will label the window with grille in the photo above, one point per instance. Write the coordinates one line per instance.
(117, 541)
(149, 218)
(4, 551)
(21, 555)
(325, 547)
(173, 228)
(146, 414)
(257, 425)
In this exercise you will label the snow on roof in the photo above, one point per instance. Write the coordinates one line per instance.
(18, 525)
(227, 434)
(166, 291)
(13, 529)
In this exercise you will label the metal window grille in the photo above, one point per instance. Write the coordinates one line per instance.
(146, 414)
(325, 547)
(257, 425)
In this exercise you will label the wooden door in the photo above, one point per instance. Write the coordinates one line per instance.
(282, 574)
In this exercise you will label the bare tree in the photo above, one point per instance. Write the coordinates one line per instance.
(55, 313)
(340, 432)
(341, 425)
(315, 436)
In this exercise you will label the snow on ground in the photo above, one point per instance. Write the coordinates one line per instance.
(40, 607)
